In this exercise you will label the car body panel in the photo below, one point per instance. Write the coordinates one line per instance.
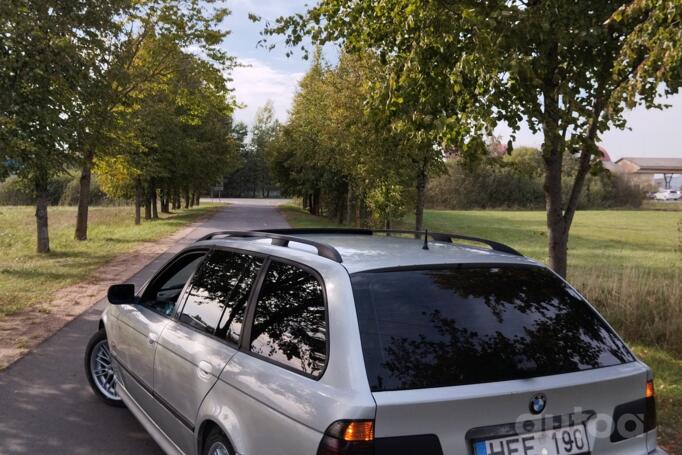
(367, 252)
(298, 409)
(149, 424)
(452, 412)
(186, 367)
(133, 345)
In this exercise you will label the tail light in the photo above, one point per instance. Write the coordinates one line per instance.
(650, 413)
(348, 437)
(636, 417)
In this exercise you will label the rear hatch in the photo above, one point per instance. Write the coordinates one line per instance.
(496, 360)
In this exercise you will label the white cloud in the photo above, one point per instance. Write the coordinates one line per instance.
(257, 83)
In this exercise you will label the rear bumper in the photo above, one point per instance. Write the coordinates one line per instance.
(658, 451)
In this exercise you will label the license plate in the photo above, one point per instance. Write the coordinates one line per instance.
(562, 441)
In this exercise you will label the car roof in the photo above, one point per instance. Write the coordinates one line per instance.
(361, 252)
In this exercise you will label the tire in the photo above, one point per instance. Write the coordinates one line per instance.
(216, 443)
(98, 370)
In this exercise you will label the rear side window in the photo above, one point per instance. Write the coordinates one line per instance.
(290, 323)
(447, 327)
(218, 294)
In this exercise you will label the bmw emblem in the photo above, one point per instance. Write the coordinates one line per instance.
(538, 403)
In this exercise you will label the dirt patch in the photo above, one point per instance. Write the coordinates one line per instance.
(22, 332)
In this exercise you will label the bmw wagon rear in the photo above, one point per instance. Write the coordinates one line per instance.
(486, 359)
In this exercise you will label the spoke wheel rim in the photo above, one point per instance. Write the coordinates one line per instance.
(102, 371)
(218, 448)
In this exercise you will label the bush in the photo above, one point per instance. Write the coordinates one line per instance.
(486, 186)
(72, 191)
(14, 192)
(62, 190)
(516, 182)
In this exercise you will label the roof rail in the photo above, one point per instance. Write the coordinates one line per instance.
(324, 250)
(436, 236)
(450, 238)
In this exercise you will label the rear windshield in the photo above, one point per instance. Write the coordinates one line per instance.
(469, 325)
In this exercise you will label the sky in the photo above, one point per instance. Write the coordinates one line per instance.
(270, 75)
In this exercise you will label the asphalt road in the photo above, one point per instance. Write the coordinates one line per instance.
(46, 405)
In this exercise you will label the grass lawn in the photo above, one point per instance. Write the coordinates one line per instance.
(27, 278)
(627, 262)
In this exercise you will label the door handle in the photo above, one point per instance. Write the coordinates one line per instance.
(153, 338)
(205, 368)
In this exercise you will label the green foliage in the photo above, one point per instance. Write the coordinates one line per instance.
(655, 43)
(70, 195)
(454, 69)
(73, 76)
(45, 63)
(14, 192)
(62, 190)
(486, 186)
(253, 177)
(180, 128)
(342, 160)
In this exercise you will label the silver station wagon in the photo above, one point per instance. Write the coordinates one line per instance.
(368, 342)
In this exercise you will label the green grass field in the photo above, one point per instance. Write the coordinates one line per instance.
(27, 278)
(627, 262)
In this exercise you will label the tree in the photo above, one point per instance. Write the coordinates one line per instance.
(183, 129)
(46, 53)
(263, 133)
(454, 69)
(137, 57)
(343, 162)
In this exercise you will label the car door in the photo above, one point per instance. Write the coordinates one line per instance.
(274, 380)
(203, 337)
(139, 327)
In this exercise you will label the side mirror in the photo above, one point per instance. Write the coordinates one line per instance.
(121, 294)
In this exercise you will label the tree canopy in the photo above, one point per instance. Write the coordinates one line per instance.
(452, 70)
(77, 79)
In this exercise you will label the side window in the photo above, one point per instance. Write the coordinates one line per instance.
(164, 291)
(290, 324)
(218, 294)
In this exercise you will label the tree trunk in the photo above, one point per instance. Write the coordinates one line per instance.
(317, 197)
(349, 204)
(421, 198)
(84, 199)
(165, 208)
(552, 155)
(358, 210)
(152, 193)
(176, 200)
(197, 198)
(557, 234)
(186, 198)
(138, 200)
(42, 201)
(147, 205)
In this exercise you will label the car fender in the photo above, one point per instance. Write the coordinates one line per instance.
(216, 410)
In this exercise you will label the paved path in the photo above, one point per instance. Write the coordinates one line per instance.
(46, 405)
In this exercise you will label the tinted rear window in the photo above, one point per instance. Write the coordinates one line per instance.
(446, 327)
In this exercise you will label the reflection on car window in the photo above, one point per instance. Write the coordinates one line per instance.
(290, 322)
(446, 327)
(218, 294)
(165, 294)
